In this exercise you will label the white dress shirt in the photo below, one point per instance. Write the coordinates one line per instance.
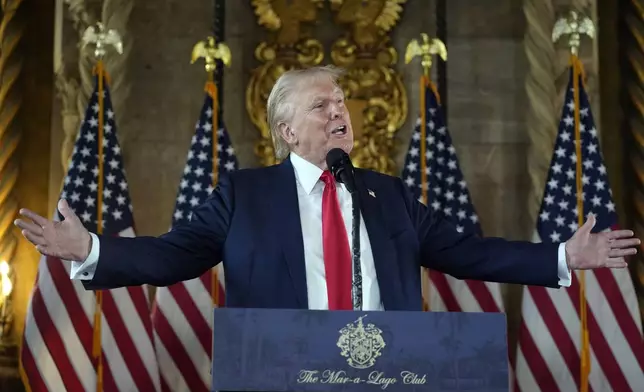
(309, 194)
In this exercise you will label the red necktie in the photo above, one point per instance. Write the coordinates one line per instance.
(337, 255)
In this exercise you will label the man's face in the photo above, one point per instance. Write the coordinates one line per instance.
(320, 122)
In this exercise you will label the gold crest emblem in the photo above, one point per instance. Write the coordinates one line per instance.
(360, 344)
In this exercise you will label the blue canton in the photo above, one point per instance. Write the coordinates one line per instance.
(197, 180)
(447, 191)
(80, 187)
(558, 217)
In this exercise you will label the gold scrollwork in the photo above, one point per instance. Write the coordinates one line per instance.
(375, 94)
(290, 47)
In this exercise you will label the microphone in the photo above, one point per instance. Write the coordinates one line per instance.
(340, 166)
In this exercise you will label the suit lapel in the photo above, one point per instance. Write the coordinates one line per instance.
(287, 215)
(384, 255)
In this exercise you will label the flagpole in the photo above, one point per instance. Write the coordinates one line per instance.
(96, 347)
(212, 51)
(425, 49)
(211, 86)
(574, 26)
(583, 311)
(98, 36)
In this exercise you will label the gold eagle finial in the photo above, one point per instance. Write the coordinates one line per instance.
(425, 50)
(211, 51)
(575, 26)
(101, 38)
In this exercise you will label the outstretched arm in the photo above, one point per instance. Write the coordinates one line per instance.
(468, 256)
(186, 252)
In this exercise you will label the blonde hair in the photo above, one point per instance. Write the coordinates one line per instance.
(280, 107)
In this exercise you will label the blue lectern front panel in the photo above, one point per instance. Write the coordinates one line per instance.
(308, 350)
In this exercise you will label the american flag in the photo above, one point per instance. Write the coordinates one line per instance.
(549, 344)
(56, 353)
(446, 194)
(182, 316)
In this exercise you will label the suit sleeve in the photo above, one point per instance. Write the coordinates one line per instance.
(185, 252)
(469, 256)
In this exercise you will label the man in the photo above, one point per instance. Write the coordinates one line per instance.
(282, 231)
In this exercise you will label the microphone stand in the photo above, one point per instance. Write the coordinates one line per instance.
(356, 287)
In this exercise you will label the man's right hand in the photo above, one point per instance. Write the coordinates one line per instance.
(68, 240)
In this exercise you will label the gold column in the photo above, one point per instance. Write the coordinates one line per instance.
(11, 31)
(632, 55)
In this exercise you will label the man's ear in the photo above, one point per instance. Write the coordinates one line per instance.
(287, 133)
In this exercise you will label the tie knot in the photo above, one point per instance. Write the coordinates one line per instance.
(327, 178)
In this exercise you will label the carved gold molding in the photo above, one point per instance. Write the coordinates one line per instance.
(376, 96)
(290, 46)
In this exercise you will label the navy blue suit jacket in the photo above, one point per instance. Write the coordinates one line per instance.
(251, 222)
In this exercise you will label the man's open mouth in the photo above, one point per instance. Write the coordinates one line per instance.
(341, 130)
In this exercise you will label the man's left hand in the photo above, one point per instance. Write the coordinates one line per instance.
(586, 250)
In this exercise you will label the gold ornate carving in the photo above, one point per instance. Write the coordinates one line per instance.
(375, 93)
(290, 46)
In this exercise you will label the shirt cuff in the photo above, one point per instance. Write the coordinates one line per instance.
(84, 270)
(565, 276)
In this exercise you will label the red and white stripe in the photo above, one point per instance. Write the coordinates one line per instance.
(444, 293)
(182, 319)
(549, 345)
(56, 353)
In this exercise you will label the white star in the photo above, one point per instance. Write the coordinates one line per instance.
(560, 220)
(573, 226)
(89, 201)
